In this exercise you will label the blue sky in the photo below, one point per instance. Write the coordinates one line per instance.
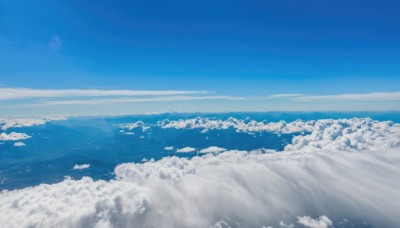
(243, 53)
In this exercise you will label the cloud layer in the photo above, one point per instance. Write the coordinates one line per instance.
(344, 173)
(342, 134)
(233, 188)
(240, 125)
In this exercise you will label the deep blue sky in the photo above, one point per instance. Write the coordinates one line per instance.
(236, 48)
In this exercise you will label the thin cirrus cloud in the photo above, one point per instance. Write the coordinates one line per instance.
(285, 95)
(375, 96)
(135, 100)
(28, 93)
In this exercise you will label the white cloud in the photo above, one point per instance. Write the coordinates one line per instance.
(284, 225)
(82, 166)
(285, 95)
(55, 43)
(9, 123)
(317, 176)
(239, 125)
(376, 96)
(138, 124)
(231, 188)
(27, 93)
(168, 148)
(321, 222)
(6, 123)
(212, 149)
(19, 144)
(349, 134)
(343, 134)
(13, 136)
(186, 150)
(135, 100)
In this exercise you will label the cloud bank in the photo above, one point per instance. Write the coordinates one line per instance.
(342, 134)
(233, 188)
(345, 173)
(349, 135)
(239, 125)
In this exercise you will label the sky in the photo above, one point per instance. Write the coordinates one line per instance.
(116, 57)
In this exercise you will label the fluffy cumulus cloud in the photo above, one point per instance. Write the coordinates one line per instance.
(349, 134)
(168, 148)
(138, 124)
(82, 166)
(240, 125)
(212, 149)
(186, 150)
(13, 136)
(231, 189)
(342, 134)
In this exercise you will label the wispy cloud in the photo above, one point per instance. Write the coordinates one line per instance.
(134, 100)
(376, 96)
(284, 95)
(55, 43)
(13, 100)
(27, 93)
